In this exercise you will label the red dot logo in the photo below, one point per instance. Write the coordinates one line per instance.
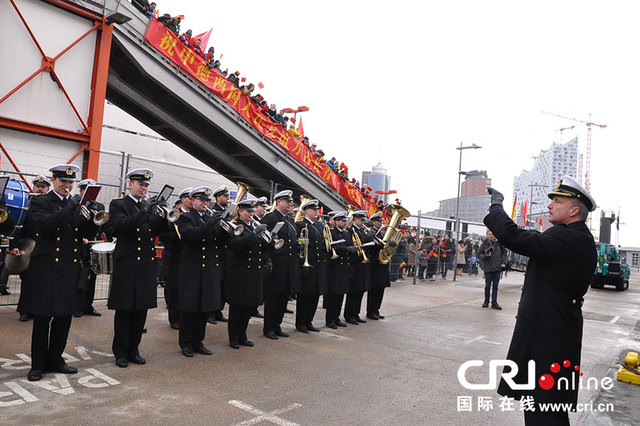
(577, 367)
(566, 363)
(555, 367)
(546, 381)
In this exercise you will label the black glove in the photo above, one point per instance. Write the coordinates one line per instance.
(259, 229)
(392, 244)
(73, 202)
(496, 197)
(92, 205)
(352, 250)
(216, 216)
(153, 199)
(163, 203)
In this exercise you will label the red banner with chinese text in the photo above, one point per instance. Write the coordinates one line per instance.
(166, 42)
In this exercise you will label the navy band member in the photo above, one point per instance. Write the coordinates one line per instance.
(284, 278)
(133, 282)
(221, 195)
(313, 279)
(261, 209)
(171, 261)
(549, 322)
(379, 272)
(199, 284)
(49, 288)
(244, 275)
(40, 185)
(87, 288)
(360, 272)
(338, 270)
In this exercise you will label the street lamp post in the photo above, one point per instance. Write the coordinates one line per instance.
(460, 173)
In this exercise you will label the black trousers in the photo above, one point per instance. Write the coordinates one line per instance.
(84, 298)
(352, 305)
(374, 300)
(238, 322)
(333, 305)
(4, 277)
(192, 329)
(274, 306)
(217, 314)
(546, 418)
(171, 299)
(47, 344)
(306, 307)
(491, 280)
(128, 326)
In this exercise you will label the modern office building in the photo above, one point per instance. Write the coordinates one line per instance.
(378, 180)
(475, 183)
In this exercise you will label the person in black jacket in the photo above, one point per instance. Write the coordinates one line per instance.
(548, 328)
(244, 274)
(49, 288)
(284, 278)
(221, 195)
(313, 279)
(200, 269)
(494, 260)
(338, 271)
(379, 271)
(133, 282)
(360, 275)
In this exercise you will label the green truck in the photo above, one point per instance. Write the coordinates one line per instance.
(610, 269)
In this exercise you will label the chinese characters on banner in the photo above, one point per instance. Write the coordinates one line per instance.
(165, 41)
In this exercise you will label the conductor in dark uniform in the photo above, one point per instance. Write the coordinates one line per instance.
(338, 270)
(49, 288)
(171, 261)
(548, 328)
(379, 271)
(360, 280)
(87, 289)
(221, 195)
(284, 278)
(199, 284)
(133, 282)
(244, 274)
(313, 279)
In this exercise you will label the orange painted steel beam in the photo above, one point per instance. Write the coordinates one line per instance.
(42, 130)
(98, 97)
(82, 149)
(15, 167)
(73, 8)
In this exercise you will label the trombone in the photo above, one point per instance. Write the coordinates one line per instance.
(303, 240)
(230, 227)
(266, 235)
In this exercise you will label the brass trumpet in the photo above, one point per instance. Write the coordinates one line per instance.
(266, 235)
(328, 239)
(230, 227)
(99, 217)
(172, 215)
(358, 243)
(4, 215)
(303, 240)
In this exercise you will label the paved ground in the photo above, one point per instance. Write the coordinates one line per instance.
(400, 371)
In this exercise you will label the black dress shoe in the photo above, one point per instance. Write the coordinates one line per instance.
(212, 320)
(352, 321)
(485, 305)
(144, 330)
(288, 311)
(373, 317)
(246, 342)
(340, 323)
(380, 316)
(137, 359)
(77, 315)
(65, 369)
(332, 325)
(496, 306)
(257, 314)
(187, 351)
(122, 362)
(221, 318)
(5, 292)
(234, 345)
(175, 325)
(34, 375)
(271, 335)
(310, 327)
(92, 312)
(360, 320)
(281, 333)
(302, 329)
(202, 350)
(24, 318)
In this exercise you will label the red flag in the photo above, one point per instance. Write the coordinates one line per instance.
(204, 39)
(293, 120)
(243, 79)
(260, 85)
(301, 129)
(524, 211)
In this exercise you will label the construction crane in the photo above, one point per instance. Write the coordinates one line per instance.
(563, 129)
(589, 123)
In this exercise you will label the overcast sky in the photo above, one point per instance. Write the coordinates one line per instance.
(406, 81)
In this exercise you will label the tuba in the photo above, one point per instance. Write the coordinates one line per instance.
(303, 198)
(350, 211)
(232, 209)
(4, 215)
(392, 233)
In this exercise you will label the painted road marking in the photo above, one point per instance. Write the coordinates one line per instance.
(23, 361)
(261, 415)
(476, 339)
(615, 319)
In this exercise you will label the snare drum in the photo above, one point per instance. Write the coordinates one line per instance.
(102, 257)
(17, 197)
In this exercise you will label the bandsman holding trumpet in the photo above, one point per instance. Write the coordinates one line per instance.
(284, 278)
(313, 277)
(199, 286)
(133, 282)
(379, 271)
(87, 282)
(49, 287)
(338, 269)
(221, 195)
(360, 269)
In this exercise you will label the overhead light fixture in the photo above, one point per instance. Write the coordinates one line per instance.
(116, 18)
